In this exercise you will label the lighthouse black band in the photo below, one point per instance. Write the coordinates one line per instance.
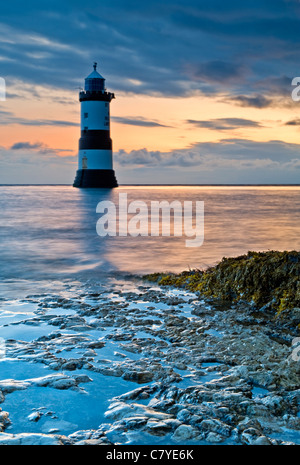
(95, 139)
(95, 178)
(96, 95)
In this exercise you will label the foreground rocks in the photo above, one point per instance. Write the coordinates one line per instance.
(194, 371)
(269, 281)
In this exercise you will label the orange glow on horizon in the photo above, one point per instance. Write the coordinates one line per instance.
(171, 113)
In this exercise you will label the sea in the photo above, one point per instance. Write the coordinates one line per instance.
(63, 249)
(49, 233)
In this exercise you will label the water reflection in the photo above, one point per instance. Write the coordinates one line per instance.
(235, 221)
(50, 231)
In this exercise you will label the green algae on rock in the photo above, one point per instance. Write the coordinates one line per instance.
(260, 278)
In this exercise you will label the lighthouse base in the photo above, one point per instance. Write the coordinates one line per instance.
(95, 178)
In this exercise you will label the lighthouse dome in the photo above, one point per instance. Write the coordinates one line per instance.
(94, 81)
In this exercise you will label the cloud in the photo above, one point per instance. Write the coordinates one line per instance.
(8, 118)
(225, 124)
(255, 101)
(244, 53)
(228, 161)
(293, 122)
(26, 145)
(218, 71)
(233, 154)
(36, 163)
(172, 49)
(137, 121)
(36, 148)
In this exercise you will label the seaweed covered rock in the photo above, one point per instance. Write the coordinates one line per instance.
(264, 279)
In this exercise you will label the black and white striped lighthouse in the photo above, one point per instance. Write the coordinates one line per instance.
(95, 164)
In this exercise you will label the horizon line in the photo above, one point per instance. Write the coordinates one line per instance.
(163, 185)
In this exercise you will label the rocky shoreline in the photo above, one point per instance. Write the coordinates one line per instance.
(179, 369)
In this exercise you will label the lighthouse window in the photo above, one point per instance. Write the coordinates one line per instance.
(86, 115)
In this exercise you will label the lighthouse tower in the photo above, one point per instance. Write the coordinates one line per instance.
(95, 165)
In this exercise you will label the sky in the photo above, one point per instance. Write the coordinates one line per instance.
(203, 89)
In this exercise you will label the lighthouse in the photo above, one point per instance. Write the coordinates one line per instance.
(95, 163)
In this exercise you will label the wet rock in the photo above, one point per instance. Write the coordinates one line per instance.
(185, 432)
(10, 385)
(57, 381)
(34, 416)
(97, 344)
(158, 428)
(275, 403)
(31, 439)
(292, 422)
(138, 376)
(82, 379)
(93, 442)
(4, 420)
(252, 436)
(136, 422)
(215, 426)
(227, 357)
(184, 415)
(71, 365)
(214, 438)
(119, 410)
(142, 392)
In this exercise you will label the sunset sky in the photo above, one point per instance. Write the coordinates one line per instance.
(203, 89)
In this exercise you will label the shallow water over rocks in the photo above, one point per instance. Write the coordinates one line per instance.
(124, 362)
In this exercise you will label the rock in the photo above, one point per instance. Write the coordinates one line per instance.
(262, 441)
(158, 428)
(72, 365)
(34, 416)
(4, 420)
(252, 436)
(82, 379)
(119, 410)
(57, 381)
(92, 442)
(141, 392)
(274, 402)
(32, 439)
(214, 438)
(185, 432)
(229, 352)
(216, 426)
(10, 385)
(138, 376)
(80, 328)
(184, 415)
(292, 422)
(136, 422)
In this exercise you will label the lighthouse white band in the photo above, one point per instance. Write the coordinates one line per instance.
(93, 159)
(95, 115)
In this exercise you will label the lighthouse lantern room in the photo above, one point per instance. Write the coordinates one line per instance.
(95, 163)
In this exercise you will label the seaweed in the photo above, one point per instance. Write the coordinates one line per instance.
(260, 278)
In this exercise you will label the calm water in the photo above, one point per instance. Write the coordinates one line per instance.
(48, 233)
